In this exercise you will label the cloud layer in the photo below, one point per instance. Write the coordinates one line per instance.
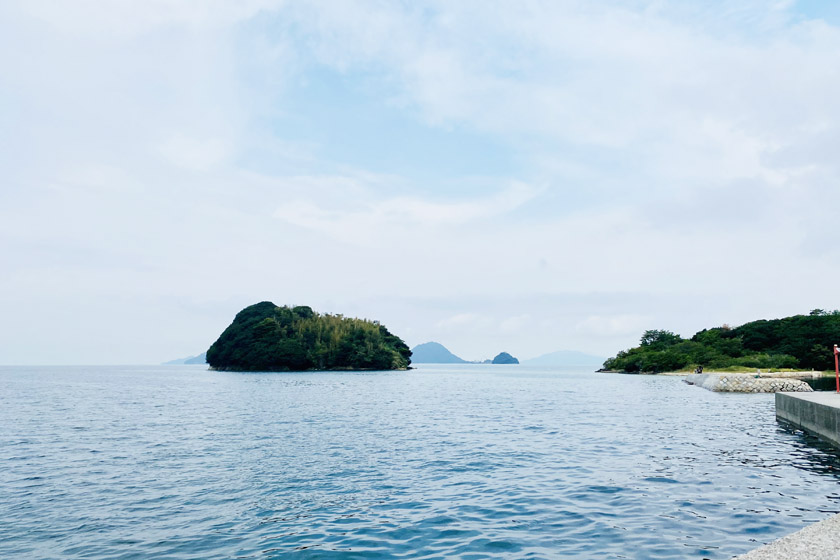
(521, 176)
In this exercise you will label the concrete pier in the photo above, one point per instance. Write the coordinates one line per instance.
(817, 413)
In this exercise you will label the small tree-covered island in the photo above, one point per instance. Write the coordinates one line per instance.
(505, 358)
(798, 342)
(265, 337)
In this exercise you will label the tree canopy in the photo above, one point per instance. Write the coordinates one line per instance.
(265, 337)
(801, 341)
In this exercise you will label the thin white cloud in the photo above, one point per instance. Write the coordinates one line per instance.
(611, 326)
(97, 177)
(371, 219)
(689, 105)
(196, 154)
(126, 18)
(463, 321)
(515, 324)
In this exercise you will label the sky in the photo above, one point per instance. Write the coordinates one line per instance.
(523, 176)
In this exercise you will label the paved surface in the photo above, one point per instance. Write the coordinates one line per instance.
(820, 541)
(827, 398)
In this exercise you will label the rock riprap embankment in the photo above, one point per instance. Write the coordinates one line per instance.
(746, 383)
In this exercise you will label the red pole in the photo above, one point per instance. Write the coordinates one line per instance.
(836, 368)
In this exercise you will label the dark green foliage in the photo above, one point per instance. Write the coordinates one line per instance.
(659, 339)
(808, 338)
(801, 341)
(264, 337)
(667, 360)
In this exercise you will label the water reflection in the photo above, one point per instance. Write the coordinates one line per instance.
(810, 453)
(822, 384)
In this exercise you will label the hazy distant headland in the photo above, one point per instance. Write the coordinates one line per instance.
(191, 360)
(436, 353)
(565, 358)
(798, 342)
(265, 337)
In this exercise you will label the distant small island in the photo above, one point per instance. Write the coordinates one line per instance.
(504, 358)
(265, 337)
(437, 353)
(191, 360)
(797, 342)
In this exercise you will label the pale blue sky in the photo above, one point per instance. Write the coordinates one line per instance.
(520, 176)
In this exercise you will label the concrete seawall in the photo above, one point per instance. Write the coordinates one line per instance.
(816, 413)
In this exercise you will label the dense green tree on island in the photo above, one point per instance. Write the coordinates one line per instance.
(801, 341)
(265, 337)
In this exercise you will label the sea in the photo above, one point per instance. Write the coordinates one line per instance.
(440, 462)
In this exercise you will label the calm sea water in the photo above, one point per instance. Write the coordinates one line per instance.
(442, 462)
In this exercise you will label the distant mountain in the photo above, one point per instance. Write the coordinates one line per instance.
(434, 353)
(200, 359)
(565, 358)
(505, 358)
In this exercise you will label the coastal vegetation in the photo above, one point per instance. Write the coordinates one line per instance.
(265, 337)
(798, 342)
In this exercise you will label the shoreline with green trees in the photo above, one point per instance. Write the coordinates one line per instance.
(797, 343)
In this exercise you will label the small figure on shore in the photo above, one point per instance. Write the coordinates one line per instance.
(698, 369)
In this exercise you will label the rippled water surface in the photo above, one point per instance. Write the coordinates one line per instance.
(442, 462)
